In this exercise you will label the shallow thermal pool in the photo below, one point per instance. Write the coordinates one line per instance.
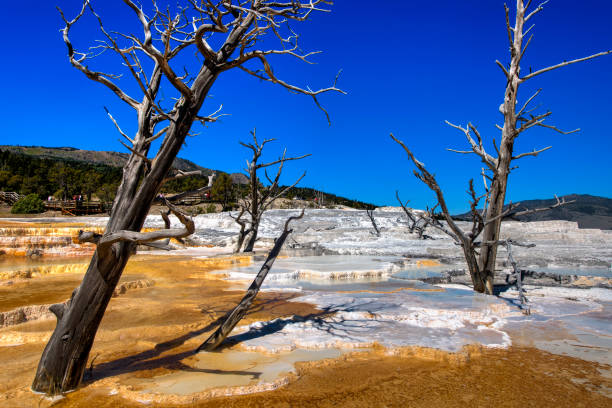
(367, 300)
(603, 272)
(232, 371)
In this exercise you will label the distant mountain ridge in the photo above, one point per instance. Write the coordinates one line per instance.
(588, 211)
(109, 158)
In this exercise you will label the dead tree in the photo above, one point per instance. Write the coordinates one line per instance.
(243, 229)
(239, 311)
(416, 223)
(421, 227)
(370, 214)
(468, 240)
(517, 275)
(259, 198)
(412, 220)
(222, 35)
(517, 120)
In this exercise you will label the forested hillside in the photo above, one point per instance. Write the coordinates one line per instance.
(64, 178)
(66, 172)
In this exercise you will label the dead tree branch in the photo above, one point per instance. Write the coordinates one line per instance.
(488, 221)
(418, 223)
(411, 218)
(239, 311)
(370, 214)
(104, 242)
(260, 198)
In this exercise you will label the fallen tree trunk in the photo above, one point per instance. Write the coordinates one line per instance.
(239, 311)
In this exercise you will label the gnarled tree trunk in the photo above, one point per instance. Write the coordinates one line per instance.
(65, 357)
(187, 29)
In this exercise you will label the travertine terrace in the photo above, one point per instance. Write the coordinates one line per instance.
(338, 297)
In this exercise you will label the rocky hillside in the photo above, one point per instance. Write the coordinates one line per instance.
(587, 210)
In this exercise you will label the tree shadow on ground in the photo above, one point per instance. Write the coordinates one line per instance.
(150, 359)
(146, 360)
(327, 320)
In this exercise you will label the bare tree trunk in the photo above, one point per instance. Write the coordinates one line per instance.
(491, 232)
(251, 238)
(241, 235)
(243, 231)
(239, 311)
(497, 192)
(64, 359)
(65, 356)
(254, 227)
(479, 279)
(370, 214)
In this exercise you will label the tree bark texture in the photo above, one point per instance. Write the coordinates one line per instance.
(65, 356)
(64, 359)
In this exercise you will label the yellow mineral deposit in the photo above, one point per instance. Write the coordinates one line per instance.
(426, 263)
(35, 240)
(166, 305)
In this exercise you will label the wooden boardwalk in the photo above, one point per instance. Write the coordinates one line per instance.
(9, 197)
(192, 197)
(75, 207)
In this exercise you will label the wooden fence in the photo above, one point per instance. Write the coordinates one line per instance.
(9, 197)
(76, 207)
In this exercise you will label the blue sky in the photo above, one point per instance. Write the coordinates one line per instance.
(407, 67)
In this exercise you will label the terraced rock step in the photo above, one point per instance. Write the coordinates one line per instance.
(25, 314)
(122, 288)
(530, 277)
(33, 241)
(35, 312)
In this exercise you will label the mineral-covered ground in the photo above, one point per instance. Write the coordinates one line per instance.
(345, 318)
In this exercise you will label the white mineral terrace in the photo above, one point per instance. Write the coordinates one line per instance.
(349, 232)
(367, 290)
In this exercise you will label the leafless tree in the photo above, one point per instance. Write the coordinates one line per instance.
(516, 273)
(259, 198)
(517, 120)
(213, 36)
(416, 222)
(370, 214)
(319, 198)
(232, 318)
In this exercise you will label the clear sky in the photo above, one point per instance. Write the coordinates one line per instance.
(407, 67)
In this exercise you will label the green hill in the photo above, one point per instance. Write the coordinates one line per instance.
(113, 159)
(66, 171)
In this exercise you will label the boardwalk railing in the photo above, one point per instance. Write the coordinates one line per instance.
(76, 207)
(9, 197)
